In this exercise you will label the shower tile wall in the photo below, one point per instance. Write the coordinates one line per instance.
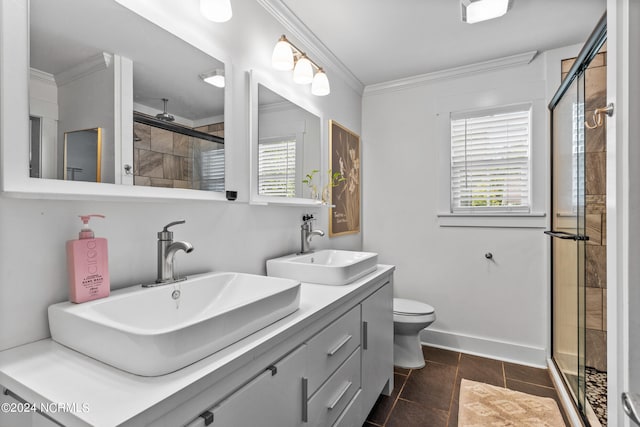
(166, 159)
(596, 217)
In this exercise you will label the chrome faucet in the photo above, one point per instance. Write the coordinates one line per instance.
(167, 250)
(307, 232)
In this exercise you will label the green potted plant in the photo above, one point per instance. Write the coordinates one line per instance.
(335, 178)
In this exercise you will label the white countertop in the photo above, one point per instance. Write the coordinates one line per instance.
(47, 372)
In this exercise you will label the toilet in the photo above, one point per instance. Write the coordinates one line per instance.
(409, 318)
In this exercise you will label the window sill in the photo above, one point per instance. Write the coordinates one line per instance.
(493, 220)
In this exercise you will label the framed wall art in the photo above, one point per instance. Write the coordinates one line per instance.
(344, 157)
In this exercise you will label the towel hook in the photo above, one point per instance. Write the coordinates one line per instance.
(597, 116)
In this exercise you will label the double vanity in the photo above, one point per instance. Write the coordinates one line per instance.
(221, 349)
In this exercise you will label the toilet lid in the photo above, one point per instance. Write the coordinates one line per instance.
(410, 307)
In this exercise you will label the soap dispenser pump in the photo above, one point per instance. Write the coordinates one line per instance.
(87, 264)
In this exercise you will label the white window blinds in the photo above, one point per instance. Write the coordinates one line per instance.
(490, 162)
(212, 170)
(277, 168)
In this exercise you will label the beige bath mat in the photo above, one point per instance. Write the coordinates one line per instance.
(484, 405)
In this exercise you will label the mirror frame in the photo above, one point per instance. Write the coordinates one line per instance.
(257, 78)
(14, 119)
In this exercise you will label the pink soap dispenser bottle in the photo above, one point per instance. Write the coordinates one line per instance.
(88, 265)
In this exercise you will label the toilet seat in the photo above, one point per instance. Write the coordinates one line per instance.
(407, 307)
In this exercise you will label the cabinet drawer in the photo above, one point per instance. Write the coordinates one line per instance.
(271, 399)
(330, 400)
(330, 347)
(350, 417)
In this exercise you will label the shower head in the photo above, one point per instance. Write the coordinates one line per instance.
(164, 115)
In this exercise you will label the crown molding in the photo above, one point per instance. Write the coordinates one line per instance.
(98, 62)
(42, 76)
(302, 34)
(465, 70)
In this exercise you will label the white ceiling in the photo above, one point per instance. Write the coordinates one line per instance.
(384, 40)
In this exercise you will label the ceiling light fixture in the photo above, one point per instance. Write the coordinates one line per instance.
(216, 10)
(286, 56)
(482, 10)
(215, 77)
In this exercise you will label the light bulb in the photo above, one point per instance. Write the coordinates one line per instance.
(216, 10)
(320, 84)
(303, 73)
(282, 58)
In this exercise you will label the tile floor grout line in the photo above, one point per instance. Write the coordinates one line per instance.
(504, 375)
(393, 406)
(530, 383)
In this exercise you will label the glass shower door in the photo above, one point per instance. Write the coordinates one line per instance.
(568, 239)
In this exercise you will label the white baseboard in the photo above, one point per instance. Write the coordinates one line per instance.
(481, 346)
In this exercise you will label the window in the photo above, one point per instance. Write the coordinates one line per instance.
(490, 161)
(577, 158)
(212, 170)
(277, 167)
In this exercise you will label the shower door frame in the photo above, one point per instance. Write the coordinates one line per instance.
(586, 55)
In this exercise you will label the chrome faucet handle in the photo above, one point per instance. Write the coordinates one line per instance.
(171, 224)
(165, 234)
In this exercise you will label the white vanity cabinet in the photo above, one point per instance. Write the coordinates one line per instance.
(333, 378)
(377, 345)
(271, 399)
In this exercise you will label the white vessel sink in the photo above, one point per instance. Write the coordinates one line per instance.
(326, 267)
(145, 331)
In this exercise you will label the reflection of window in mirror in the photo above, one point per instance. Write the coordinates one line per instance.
(288, 146)
(277, 166)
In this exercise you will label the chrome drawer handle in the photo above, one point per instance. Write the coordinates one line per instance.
(305, 399)
(340, 395)
(365, 335)
(340, 345)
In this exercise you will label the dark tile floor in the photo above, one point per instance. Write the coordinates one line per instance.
(428, 397)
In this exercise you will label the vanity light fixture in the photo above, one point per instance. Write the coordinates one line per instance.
(282, 58)
(482, 10)
(216, 10)
(286, 56)
(215, 78)
(303, 71)
(320, 84)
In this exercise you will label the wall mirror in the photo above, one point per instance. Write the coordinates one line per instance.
(286, 148)
(158, 101)
(82, 155)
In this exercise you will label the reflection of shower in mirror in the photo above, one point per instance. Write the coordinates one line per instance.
(164, 115)
(61, 50)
